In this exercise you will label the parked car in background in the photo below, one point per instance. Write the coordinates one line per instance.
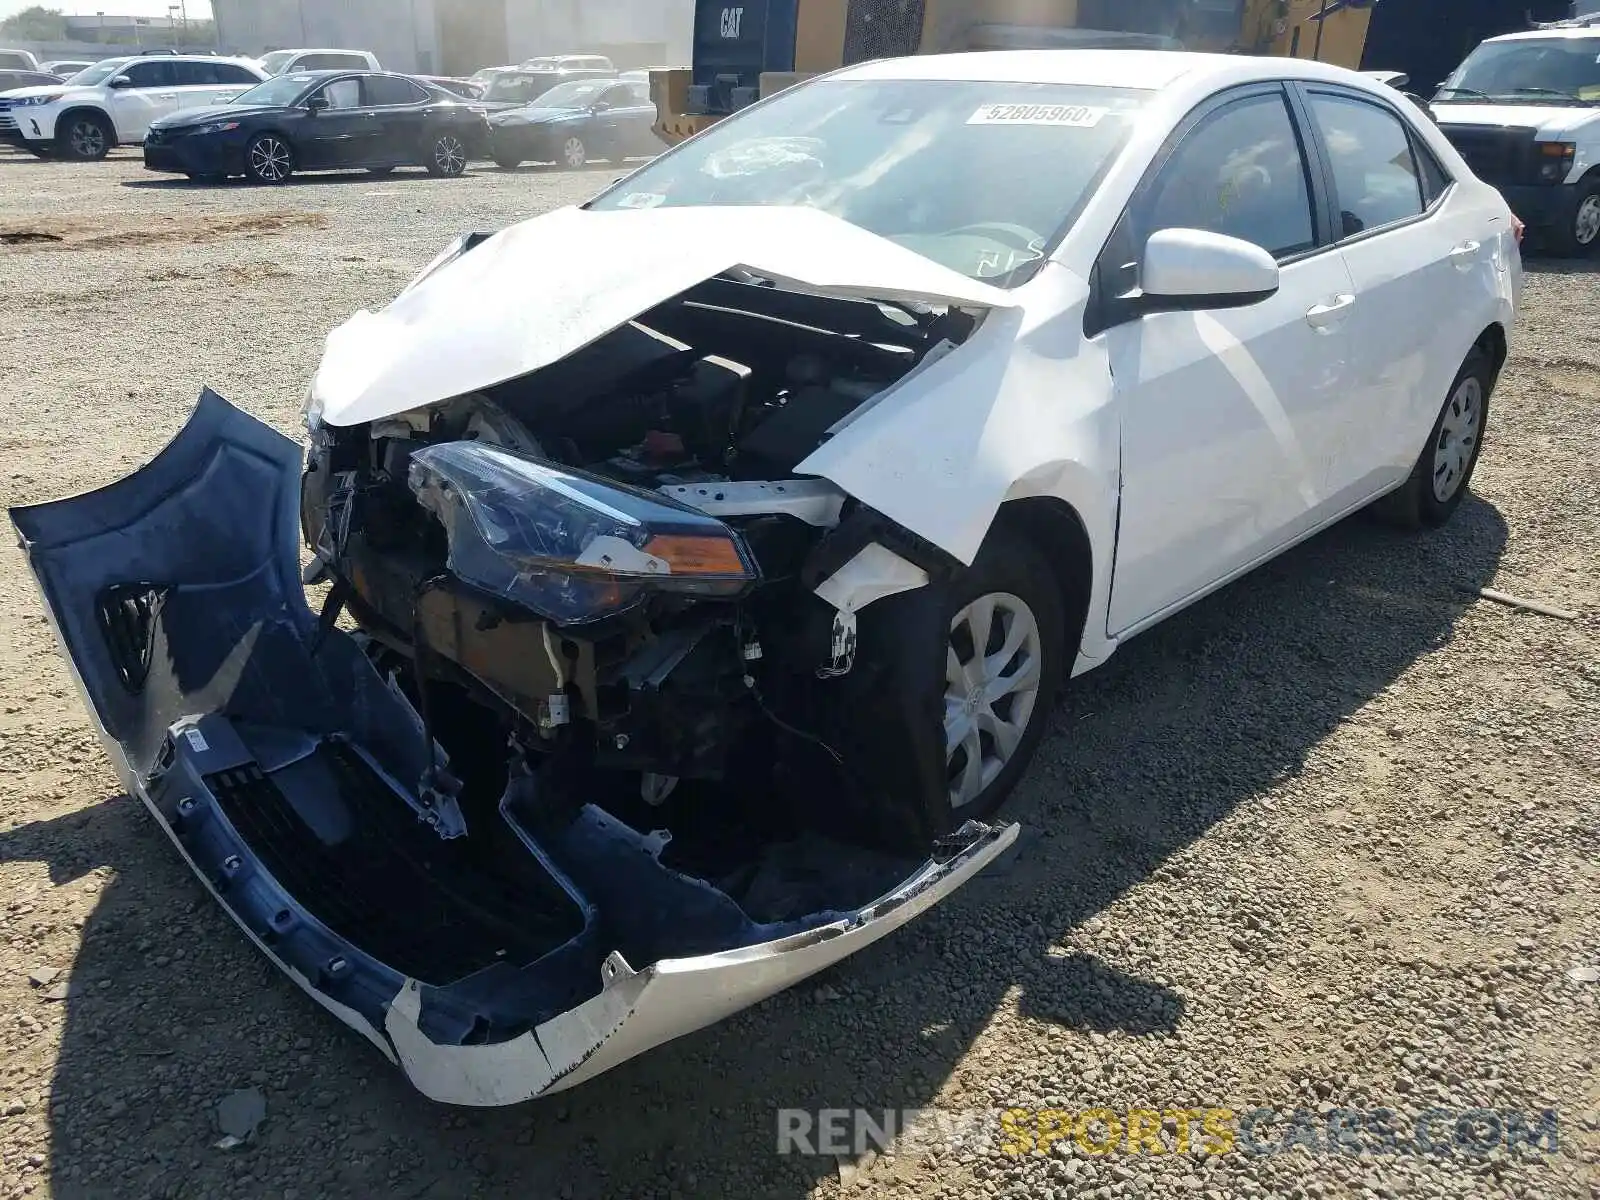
(18, 60)
(517, 88)
(284, 62)
(1524, 111)
(485, 75)
(320, 121)
(113, 102)
(719, 547)
(569, 62)
(67, 67)
(11, 80)
(575, 124)
(464, 88)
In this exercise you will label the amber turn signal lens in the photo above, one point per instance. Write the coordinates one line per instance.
(697, 555)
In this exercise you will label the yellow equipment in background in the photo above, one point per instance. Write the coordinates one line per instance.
(746, 49)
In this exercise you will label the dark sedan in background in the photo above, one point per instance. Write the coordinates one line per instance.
(320, 121)
(576, 123)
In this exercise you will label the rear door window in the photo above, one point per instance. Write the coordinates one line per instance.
(388, 90)
(1375, 172)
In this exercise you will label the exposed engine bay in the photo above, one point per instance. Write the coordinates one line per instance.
(611, 565)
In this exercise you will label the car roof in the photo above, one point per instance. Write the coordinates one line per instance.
(1574, 32)
(318, 50)
(1149, 70)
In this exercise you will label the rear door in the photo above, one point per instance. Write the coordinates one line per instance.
(230, 80)
(1411, 254)
(153, 92)
(398, 112)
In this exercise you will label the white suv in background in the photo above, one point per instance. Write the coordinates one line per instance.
(114, 101)
(286, 62)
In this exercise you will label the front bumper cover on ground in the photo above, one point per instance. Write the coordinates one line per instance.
(175, 595)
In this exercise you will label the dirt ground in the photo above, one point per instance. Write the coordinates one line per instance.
(1329, 840)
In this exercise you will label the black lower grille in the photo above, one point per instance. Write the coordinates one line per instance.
(882, 29)
(1500, 157)
(389, 885)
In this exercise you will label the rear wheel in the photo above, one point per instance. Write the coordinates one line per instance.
(447, 156)
(1003, 667)
(269, 159)
(84, 137)
(506, 162)
(1438, 483)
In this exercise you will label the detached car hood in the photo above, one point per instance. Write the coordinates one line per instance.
(545, 288)
(1547, 118)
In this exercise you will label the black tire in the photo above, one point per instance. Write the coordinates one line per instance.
(1418, 503)
(1008, 566)
(269, 160)
(84, 136)
(1576, 234)
(506, 163)
(573, 153)
(446, 156)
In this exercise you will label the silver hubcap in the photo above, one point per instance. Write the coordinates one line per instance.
(576, 154)
(269, 159)
(1586, 225)
(88, 139)
(1458, 439)
(992, 673)
(450, 155)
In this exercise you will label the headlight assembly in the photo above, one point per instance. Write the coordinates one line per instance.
(218, 127)
(566, 545)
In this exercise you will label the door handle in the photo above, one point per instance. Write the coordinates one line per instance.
(167, 96)
(1464, 255)
(1325, 317)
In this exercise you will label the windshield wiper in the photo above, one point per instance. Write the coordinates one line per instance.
(1461, 91)
(1544, 91)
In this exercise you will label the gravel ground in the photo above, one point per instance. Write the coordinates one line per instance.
(1326, 841)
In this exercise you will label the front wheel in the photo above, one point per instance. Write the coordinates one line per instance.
(1438, 482)
(447, 156)
(87, 137)
(269, 160)
(574, 154)
(1579, 235)
(1004, 659)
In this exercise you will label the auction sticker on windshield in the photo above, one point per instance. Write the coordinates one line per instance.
(1076, 116)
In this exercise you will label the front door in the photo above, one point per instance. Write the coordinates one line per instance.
(152, 93)
(1225, 414)
(338, 135)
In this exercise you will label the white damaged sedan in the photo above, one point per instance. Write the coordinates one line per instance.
(715, 550)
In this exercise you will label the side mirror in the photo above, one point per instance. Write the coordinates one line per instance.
(316, 104)
(1189, 270)
(120, 82)
(600, 106)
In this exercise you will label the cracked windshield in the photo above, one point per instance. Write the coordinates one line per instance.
(980, 177)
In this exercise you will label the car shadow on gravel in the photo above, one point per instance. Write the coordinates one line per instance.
(399, 175)
(1561, 266)
(173, 1009)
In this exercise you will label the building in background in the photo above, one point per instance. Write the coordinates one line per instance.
(456, 37)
